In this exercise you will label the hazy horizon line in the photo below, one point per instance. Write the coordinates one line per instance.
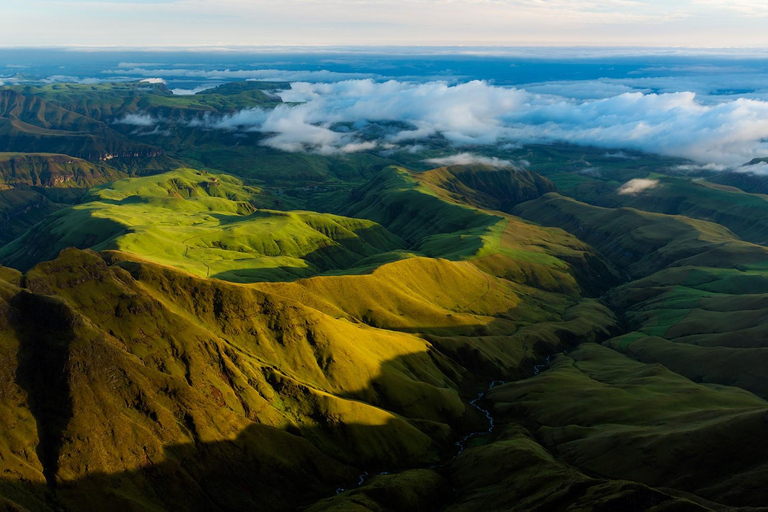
(425, 49)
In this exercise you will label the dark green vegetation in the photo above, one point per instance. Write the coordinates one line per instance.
(193, 321)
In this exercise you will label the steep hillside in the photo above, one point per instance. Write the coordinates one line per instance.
(298, 331)
(211, 225)
(111, 101)
(32, 124)
(485, 186)
(49, 171)
(35, 185)
(501, 244)
(264, 400)
(742, 213)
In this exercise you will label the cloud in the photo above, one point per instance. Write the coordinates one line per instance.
(701, 167)
(53, 79)
(141, 120)
(711, 84)
(743, 7)
(469, 159)
(637, 187)
(191, 92)
(759, 169)
(326, 117)
(267, 75)
(620, 155)
(154, 80)
(137, 64)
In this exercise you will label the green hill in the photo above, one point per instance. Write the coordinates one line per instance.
(210, 225)
(157, 370)
(53, 171)
(109, 101)
(261, 330)
(485, 186)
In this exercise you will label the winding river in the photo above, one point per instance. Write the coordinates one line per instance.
(462, 443)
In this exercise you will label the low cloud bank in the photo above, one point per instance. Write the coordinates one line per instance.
(180, 91)
(140, 120)
(468, 159)
(269, 75)
(349, 115)
(759, 169)
(637, 187)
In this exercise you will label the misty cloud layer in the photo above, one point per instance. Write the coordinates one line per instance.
(637, 186)
(469, 159)
(356, 115)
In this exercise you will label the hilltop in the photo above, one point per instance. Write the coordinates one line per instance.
(193, 320)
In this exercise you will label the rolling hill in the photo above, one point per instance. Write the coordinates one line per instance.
(191, 320)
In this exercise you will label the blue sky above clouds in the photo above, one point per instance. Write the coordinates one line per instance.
(163, 23)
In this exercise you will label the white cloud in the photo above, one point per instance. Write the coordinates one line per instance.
(730, 132)
(191, 92)
(760, 169)
(743, 7)
(154, 80)
(266, 75)
(142, 120)
(701, 167)
(620, 155)
(137, 64)
(637, 187)
(469, 159)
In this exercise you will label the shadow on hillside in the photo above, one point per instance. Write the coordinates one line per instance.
(263, 468)
(43, 373)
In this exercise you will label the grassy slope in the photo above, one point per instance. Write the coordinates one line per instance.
(208, 225)
(369, 369)
(742, 213)
(485, 186)
(623, 419)
(700, 306)
(213, 225)
(32, 124)
(235, 391)
(53, 171)
(110, 100)
(499, 243)
(164, 369)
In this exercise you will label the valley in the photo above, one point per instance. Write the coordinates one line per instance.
(193, 320)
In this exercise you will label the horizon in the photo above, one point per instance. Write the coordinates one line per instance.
(199, 23)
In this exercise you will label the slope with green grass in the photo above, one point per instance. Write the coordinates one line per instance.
(437, 226)
(486, 187)
(53, 171)
(742, 213)
(264, 396)
(260, 342)
(210, 225)
(109, 101)
(32, 124)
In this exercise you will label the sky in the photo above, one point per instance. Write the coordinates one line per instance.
(226, 23)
